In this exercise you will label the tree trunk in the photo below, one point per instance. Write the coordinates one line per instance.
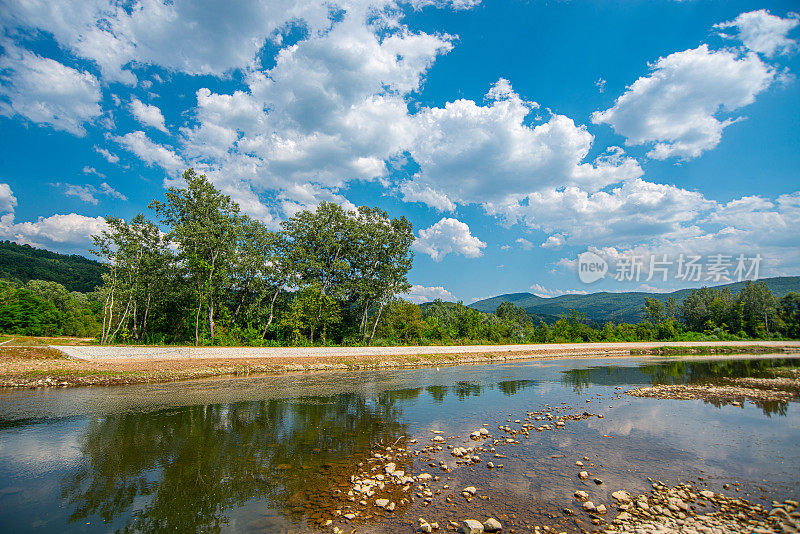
(377, 318)
(135, 327)
(211, 316)
(362, 329)
(146, 313)
(124, 316)
(271, 309)
(197, 321)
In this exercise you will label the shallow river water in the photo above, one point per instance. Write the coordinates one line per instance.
(266, 454)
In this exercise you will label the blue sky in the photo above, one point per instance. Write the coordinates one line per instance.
(513, 135)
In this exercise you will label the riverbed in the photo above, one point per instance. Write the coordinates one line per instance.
(280, 453)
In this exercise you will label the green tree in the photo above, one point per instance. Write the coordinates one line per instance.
(653, 310)
(203, 224)
(758, 308)
(789, 310)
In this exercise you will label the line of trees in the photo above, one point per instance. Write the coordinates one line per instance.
(218, 276)
(209, 274)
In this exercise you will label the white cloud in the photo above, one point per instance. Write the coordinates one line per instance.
(600, 84)
(91, 170)
(82, 192)
(111, 192)
(148, 115)
(330, 111)
(554, 241)
(749, 225)
(413, 192)
(55, 231)
(88, 193)
(682, 106)
(489, 154)
(46, 92)
(763, 32)
(448, 236)
(632, 212)
(541, 291)
(7, 199)
(524, 243)
(111, 158)
(151, 153)
(190, 36)
(419, 294)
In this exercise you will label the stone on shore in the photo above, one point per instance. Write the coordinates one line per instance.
(492, 525)
(471, 526)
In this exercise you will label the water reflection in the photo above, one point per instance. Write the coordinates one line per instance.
(272, 452)
(190, 465)
(684, 372)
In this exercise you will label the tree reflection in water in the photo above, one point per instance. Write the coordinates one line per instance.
(183, 468)
(685, 372)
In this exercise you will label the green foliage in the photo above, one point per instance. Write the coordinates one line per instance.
(23, 263)
(789, 310)
(44, 308)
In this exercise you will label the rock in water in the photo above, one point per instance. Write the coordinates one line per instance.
(589, 506)
(622, 496)
(492, 525)
(381, 503)
(470, 526)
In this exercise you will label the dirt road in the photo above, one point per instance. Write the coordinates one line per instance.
(95, 353)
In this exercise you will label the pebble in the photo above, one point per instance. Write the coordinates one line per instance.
(492, 525)
(471, 526)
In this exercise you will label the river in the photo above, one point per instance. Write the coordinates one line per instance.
(272, 453)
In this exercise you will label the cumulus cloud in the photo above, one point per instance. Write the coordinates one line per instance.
(148, 115)
(629, 213)
(487, 154)
(190, 36)
(69, 229)
(7, 199)
(682, 106)
(448, 236)
(749, 226)
(419, 294)
(151, 153)
(58, 232)
(762, 32)
(44, 91)
(413, 192)
(554, 241)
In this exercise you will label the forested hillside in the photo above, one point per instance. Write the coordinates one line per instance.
(618, 307)
(23, 263)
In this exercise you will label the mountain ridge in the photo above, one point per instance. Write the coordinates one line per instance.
(604, 306)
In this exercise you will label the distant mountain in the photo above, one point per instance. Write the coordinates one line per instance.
(618, 307)
(23, 263)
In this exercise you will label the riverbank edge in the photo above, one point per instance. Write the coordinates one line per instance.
(49, 370)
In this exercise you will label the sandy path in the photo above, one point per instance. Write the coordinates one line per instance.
(95, 353)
